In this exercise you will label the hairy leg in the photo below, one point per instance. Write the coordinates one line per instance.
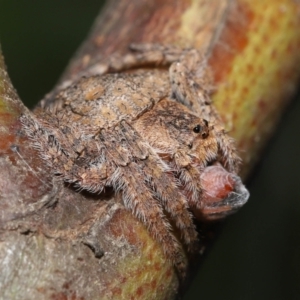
(139, 199)
(172, 199)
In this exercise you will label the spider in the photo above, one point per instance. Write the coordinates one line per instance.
(149, 135)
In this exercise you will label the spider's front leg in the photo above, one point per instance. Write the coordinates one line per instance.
(228, 155)
(189, 177)
(161, 180)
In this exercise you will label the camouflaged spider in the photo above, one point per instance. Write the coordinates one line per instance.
(136, 132)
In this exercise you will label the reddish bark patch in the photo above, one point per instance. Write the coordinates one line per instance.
(157, 267)
(139, 292)
(65, 296)
(116, 291)
(232, 40)
(153, 284)
(117, 230)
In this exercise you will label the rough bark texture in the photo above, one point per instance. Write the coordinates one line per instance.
(253, 51)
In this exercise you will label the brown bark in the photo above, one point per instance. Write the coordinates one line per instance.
(252, 47)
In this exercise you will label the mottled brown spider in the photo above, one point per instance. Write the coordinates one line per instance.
(149, 135)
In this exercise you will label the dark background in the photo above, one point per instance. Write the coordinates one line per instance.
(258, 253)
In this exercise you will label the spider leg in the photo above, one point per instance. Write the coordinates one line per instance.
(157, 54)
(174, 201)
(141, 55)
(107, 152)
(115, 147)
(190, 180)
(161, 180)
(189, 176)
(137, 146)
(191, 82)
(139, 199)
(230, 159)
(46, 142)
(148, 190)
(94, 177)
(52, 143)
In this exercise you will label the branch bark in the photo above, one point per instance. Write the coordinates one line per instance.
(252, 49)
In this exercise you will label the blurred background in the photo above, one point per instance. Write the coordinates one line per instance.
(257, 255)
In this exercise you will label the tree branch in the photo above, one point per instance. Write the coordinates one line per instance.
(254, 58)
